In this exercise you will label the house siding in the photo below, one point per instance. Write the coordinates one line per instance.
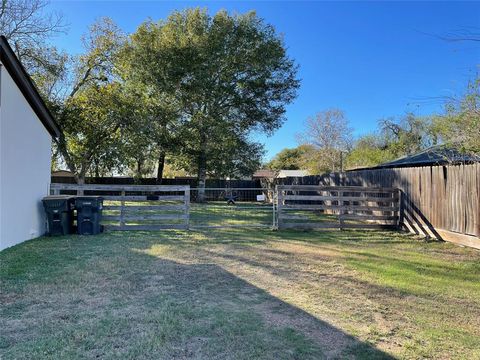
(25, 150)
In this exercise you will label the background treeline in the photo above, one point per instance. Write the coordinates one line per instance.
(327, 143)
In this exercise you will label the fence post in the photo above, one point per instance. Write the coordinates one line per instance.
(340, 210)
(400, 208)
(279, 206)
(122, 209)
(274, 208)
(187, 207)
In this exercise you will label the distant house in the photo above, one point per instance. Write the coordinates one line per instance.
(279, 174)
(62, 173)
(433, 156)
(264, 174)
(292, 173)
(26, 131)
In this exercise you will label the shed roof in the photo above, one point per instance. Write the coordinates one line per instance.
(433, 156)
(292, 173)
(265, 173)
(272, 174)
(26, 86)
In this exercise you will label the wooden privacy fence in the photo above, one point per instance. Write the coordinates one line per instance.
(137, 207)
(311, 206)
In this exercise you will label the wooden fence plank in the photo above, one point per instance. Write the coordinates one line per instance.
(145, 198)
(345, 198)
(187, 208)
(339, 207)
(132, 217)
(130, 208)
(363, 189)
(107, 187)
(335, 226)
(367, 217)
(122, 210)
(145, 227)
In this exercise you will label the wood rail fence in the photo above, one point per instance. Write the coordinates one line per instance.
(137, 207)
(342, 207)
(441, 202)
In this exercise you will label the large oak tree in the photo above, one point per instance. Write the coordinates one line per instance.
(227, 75)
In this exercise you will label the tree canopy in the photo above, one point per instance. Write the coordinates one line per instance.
(460, 125)
(225, 76)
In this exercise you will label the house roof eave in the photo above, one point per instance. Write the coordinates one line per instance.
(27, 87)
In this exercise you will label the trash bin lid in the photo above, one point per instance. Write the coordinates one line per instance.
(81, 201)
(58, 197)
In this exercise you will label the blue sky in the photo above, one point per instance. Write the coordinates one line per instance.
(371, 59)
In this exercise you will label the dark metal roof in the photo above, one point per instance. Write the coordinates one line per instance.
(26, 86)
(433, 156)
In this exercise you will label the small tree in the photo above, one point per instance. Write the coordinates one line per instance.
(460, 126)
(304, 157)
(331, 136)
(369, 150)
(287, 159)
(408, 135)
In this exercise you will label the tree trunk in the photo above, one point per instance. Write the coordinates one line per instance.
(161, 166)
(341, 161)
(80, 178)
(139, 168)
(97, 170)
(202, 169)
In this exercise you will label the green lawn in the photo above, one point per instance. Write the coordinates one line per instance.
(239, 294)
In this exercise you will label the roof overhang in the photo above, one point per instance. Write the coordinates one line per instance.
(27, 88)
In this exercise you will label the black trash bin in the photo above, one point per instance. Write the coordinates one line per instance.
(59, 210)
(89, 214)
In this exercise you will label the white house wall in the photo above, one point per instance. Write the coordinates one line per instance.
(25, 147)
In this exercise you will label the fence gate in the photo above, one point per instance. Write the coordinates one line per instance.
(232, 207)
(137, 207)
(341, 207)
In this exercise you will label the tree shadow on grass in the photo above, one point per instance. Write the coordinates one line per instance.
(105, 297)
(261, 323)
